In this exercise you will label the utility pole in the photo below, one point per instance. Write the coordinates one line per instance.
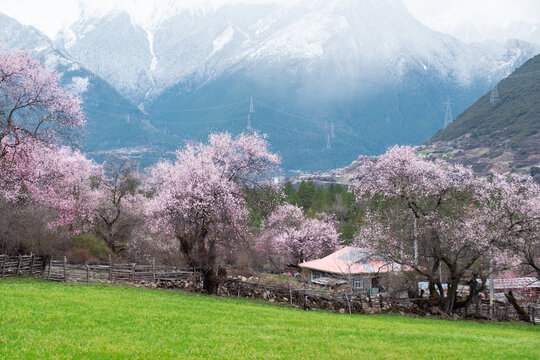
(448, 116)
(415, 243)
(251, 111)
(491, 286)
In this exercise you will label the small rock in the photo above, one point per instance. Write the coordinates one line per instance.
(342, 311)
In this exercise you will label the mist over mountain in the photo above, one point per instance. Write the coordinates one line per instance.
(329, 79)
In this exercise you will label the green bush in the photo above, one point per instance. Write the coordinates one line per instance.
(95, 246)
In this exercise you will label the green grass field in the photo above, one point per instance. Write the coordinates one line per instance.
(45, 320)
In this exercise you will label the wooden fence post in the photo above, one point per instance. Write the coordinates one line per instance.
(110, 268)
(32, 266)
(65, 273)
(19, 265)
(348, 303)
(154, 269)
(132, 274)
(87, 272)
(290, 293)
(50, 266)
(4, 265)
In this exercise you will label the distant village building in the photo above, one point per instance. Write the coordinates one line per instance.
(352, 265)
(525, 288)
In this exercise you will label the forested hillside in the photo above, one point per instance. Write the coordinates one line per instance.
(501, 131)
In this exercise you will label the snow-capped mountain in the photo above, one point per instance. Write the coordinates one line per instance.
(470, 32)
(330, 79)
(353, 40)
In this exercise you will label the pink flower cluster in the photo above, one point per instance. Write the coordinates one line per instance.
(200, 193)
(292, 237)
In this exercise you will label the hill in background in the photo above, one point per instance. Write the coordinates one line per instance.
(500, 132)
(329, 79)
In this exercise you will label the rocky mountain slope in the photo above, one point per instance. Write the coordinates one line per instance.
(501, 131)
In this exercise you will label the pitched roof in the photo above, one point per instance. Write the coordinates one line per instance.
(350, 261)
(515, 283)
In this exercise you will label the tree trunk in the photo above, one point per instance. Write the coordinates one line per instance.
(523, 316)
(451, 294)
(473, 293)
(210, 281)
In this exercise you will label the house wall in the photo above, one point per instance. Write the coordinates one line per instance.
(360, 282)
(529, 294)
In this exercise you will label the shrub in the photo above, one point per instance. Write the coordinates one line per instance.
(94, 246)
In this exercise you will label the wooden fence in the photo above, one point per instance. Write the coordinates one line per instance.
(55, 270)
(311, 298)
(20, 265)
(129, 272)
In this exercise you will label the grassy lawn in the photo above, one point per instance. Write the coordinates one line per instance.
(45, 320)
(425, 151)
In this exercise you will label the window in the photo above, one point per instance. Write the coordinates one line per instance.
(358, 284)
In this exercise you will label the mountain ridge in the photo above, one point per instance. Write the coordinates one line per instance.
(374, 90)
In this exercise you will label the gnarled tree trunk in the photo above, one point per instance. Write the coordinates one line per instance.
(523, 316)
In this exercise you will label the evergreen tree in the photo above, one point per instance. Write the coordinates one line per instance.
(306, 194)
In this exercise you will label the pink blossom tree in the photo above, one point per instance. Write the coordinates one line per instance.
(451, 238)
(57, 178)
(33, 104)
(199, 198)
(36, 114)
(288, 236)
(513, 207)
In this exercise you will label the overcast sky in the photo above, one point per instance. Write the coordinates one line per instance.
(469, 20)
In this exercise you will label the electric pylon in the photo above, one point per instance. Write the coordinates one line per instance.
(448, 116)
(251, 111)
(494, 97)
(328, 142)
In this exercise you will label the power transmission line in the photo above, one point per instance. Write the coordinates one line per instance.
(203, 108)
(517, 76)
(133, 107)
(286, 113)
